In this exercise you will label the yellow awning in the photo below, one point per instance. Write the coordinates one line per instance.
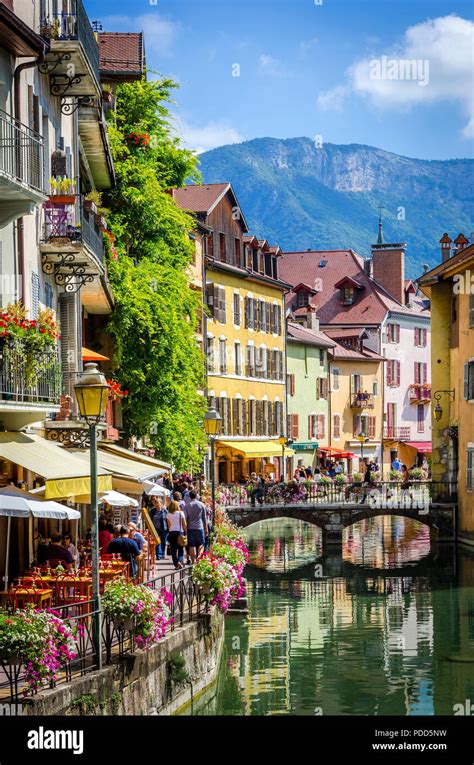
(120, 451)
(119, 466)
(65, 475)
(256, 449)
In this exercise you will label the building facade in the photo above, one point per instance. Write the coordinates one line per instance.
(450, 288)
(244, 334)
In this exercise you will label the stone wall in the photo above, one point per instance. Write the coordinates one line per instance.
(153, 682)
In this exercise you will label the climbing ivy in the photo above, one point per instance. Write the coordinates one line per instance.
(155, 319)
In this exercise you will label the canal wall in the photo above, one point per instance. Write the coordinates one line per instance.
(159, 681)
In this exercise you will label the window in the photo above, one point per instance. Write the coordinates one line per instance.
(336, 425)
(222, 247)
(249, 313)
(237, 318)
(290, 383)
(421, 336)
(393, 333)
(302, 299)
(335, 379)
(262, 316)
(421, 373)
(250, 361)
(238, 417)
(348, 295)
(361, 424)
(261, 362)
(48, 295)
(313, 426)
(356, 384)
(237, 359)
(293, 430)
(321, 357)
(321, 387)
(469, 380)
(215, 300)
(393, 373)
(470, 469)
(222, 356)
(252, 421)
(210, 354)
(375, 388)
(420, 418)
(237, 250)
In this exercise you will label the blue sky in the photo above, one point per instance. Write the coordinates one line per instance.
(305, 69)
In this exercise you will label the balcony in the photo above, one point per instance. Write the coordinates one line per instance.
(72, 61)
(95, 141)
(21, 169)
(72, 247)
(420, 394)
(397, 432)
(27, 394)
(363, 401)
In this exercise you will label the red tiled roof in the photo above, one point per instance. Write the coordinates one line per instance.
(308, 336)
(121, 54)
(342, 352)
(200, 199)
(345, 332)
(372, 302)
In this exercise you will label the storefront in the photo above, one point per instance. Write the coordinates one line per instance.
(236, 460)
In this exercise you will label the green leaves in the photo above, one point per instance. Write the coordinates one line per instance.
(155, 319)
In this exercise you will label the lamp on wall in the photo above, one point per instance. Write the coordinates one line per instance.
(438, 410)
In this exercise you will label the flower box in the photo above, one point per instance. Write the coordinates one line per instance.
(90, 206)
(101, 222)
(62, 199)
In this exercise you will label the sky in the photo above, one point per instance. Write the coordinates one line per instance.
(332, 70)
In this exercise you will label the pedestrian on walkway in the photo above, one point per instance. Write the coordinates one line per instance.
(176, 533)
(127, 548)
(196, 521)
(158, 518)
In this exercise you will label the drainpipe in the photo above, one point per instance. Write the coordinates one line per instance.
(17, 113)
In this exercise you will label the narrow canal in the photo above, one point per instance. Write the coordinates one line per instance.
(388, 628)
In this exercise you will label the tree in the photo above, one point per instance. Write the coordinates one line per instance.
(156, 313)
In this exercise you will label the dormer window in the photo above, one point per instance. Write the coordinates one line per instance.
(348, 295)
(302, 299)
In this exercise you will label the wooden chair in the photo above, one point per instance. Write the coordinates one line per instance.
(19, 596)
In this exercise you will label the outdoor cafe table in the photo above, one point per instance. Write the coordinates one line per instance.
(43, 598)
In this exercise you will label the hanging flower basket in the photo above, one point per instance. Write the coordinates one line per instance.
(127, 624)
(90, 206)
(57, 200)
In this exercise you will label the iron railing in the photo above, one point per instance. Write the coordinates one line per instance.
(28, 380)
(21, 153)
(187, 605)
(73, 223)
(308, 493)
(75, 26)
(419, 393)
(395, 431)
(363, 401)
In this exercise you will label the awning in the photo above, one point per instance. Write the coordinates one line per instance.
(144, 458)
(88, 355)
(116, 499)
(20, 504)
(119, 466)
(256, 449)
(423, 447)
(65, 474)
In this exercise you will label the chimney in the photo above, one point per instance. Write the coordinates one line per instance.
(312, 321)
(445, 243)
(460, 243)
(368, 267)
(388, 268)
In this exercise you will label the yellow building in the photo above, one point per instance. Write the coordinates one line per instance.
(450, 287)
(356, 399)
(244, 334)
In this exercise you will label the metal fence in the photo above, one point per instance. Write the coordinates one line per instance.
(76, 26)
(187, 605)
(337, 494)
(71, 223)
(21, 153)
(29, 380)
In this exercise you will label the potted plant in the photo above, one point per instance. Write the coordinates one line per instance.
(357, 478)
(62, 191)
(396, 475)
(138, 609)
(416, 474)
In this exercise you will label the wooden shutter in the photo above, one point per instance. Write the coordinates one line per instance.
(235, 417)
(35, 294)
(291, 379)
(268, 317)
(246, 312)
(397, 333)
(424, 367)
(321, 426)
(398, 372)
(371, 427)
(256, 313)
(223, 306)
(294, 426)
(417, 373)
(278, 319)
(421, 418)
(417, 336)
(337, 426)
(317, 388)
(68, 318)
(356, 425)
(228, 407)
(259, 410)
(389, 372)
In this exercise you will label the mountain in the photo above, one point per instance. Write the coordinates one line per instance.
(302, 197)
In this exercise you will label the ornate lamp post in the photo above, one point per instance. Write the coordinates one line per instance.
(362, 439)
(92, 393)
(212, 426)
(282, 442)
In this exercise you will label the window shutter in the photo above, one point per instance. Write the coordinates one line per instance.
(417, 336)
(278, 314)
(353, 384)
(256, 309)
(398, 372)
(35, 290)
(280, 365)
(235, 417)
(417, 373)
(397, 333)
(356, 425)
(389, 372)
(321, 426)
(68, 319)
(309, 427)
(466, 381)
(294, 426)
(425, 372)
(246, 311)
(228, 406)
(259, 410)
(336, 426)
(371, 427)
(317, 387)
(268, 317)
(222, 306)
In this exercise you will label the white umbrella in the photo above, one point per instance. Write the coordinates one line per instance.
(158, 491)
(117, 499)
(14, 505)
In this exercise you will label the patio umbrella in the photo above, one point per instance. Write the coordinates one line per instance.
(15, 503)
(158, 491)
(117, 499)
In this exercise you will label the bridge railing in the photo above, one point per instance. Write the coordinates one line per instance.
(328, 493)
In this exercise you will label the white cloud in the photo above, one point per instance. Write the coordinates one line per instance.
(208, 136)
(267, 65)
(442, 49)
(160, 33)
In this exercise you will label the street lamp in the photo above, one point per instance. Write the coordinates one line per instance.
(362, 439)
(212, 426)
(92, 394)
(283, 442)
(438, 410)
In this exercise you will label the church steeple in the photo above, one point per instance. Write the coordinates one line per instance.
(380, 236)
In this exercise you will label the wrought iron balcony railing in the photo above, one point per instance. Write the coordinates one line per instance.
(67, 224)
(74, 26)
(395, 431)
(21, 153)
(363, 401)
(27, 381)
(420, 393)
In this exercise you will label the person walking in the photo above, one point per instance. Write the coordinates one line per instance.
(158, 518)
(176, 533)
(127, 548)
(257, 491)
(196, 521)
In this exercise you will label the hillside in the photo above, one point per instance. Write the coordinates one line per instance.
(300, 196)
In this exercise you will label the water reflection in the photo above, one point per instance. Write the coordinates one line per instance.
(388, 628)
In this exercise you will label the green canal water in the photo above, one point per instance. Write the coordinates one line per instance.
(385, 629)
